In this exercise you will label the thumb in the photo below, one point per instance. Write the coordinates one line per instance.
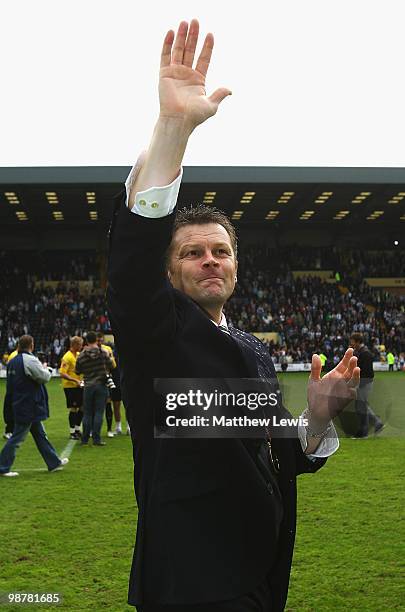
(219, 95)
(316, 367)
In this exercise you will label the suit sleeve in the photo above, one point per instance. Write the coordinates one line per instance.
(305, 464)
(139, 295)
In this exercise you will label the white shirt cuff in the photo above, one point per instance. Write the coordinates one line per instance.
(327, 445)
(154, 202)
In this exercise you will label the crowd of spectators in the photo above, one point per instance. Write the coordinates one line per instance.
(51, 315)
(308, 314)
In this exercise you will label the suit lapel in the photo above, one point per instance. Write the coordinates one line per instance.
(248, 354)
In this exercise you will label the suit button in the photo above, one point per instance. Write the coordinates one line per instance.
(270, 488)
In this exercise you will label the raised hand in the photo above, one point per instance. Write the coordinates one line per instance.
(182, 92)
(329, 395)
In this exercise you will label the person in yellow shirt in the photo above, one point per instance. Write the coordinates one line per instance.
(73, 386)
(7, 406)
(390, 361)
(108, 407)
(13, 354)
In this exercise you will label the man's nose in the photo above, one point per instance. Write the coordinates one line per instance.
(209, 260)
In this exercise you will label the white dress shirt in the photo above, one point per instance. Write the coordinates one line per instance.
(158, 202)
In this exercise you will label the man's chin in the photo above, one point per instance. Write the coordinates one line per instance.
(211, 298)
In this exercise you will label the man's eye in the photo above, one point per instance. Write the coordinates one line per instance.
(192, 252)
(223, 252)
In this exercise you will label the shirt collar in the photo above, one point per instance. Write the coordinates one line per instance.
(223, 322)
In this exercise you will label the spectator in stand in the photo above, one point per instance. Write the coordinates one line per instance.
(26, 385)
(94, 363)
(72, 384)
(108, 406)
(365, 414)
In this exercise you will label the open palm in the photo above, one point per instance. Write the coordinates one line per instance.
(181, 87)
(329, 395)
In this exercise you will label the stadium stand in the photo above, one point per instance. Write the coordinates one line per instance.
(55, 295)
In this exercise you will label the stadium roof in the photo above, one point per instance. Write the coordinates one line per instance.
(80, 196)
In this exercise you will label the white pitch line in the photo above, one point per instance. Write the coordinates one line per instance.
(67, 451)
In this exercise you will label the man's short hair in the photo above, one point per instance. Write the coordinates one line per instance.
(91, 337)
(25, 343)
(201, 215)
(75, 340)
(100, 334)
(357, 337)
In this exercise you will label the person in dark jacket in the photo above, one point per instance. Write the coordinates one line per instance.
(216, 517)
(8, 412)
(95, 364)
(366, 416)
(26, 381)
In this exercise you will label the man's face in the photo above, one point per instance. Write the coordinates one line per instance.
(203, 264)
(354, 344)
(100, 340)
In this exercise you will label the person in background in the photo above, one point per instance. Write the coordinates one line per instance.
(390, 361)
(365, 363)
(116, 396)
(26, 384)
(73, 386)
(323, 359)
(7, 405)
(283, 361)
(94, 363)
(108, 407)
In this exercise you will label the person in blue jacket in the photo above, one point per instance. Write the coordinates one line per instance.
(26, 381)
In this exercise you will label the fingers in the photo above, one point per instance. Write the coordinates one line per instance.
(191, 43)
(183, 50)
(344, 363)
(355, 379)
(179, 43)
(205, 55)
(316, 367)
(165, 58)
(349, 372)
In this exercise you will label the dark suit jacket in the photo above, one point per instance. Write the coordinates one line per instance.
(207, 528)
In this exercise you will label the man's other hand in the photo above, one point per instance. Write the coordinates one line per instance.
(329, 395)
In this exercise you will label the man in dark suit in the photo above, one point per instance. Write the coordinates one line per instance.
(216, 522)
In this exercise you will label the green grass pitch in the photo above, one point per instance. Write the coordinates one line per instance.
(72, 532)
